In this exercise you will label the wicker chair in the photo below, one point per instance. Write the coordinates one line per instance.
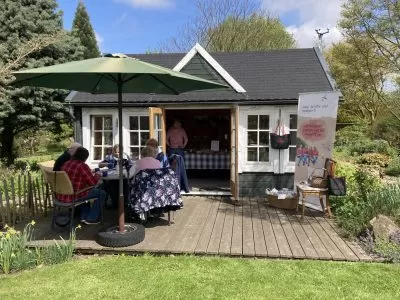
(61, 184)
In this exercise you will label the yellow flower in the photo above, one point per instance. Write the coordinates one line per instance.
(6, 226)
(8, 235)
(12, 231)
(79, 226)
(12, 254)
(33, 222)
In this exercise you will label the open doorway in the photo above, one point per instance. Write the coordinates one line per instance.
(207, 154)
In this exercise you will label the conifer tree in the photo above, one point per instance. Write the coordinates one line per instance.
(31, 108)
(82, 28)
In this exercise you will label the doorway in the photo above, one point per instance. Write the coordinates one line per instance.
(208, 151)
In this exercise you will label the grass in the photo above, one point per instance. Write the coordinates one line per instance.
(187, 277)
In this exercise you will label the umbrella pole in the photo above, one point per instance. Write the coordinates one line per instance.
(121, 207)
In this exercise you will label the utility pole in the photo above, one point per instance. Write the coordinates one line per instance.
(321, 34)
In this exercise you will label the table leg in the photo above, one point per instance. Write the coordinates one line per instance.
(302, 203)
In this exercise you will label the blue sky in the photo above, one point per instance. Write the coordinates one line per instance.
(134, 26)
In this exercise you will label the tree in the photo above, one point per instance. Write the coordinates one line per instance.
(254, 33)
(376, 22)
(82, 28)
(23, 22)
(361, 78)
(231, 25)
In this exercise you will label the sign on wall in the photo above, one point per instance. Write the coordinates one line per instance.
(317, 113)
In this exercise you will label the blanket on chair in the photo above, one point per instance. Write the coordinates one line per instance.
(155, 188)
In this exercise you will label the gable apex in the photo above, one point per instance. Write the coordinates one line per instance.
(198, 49)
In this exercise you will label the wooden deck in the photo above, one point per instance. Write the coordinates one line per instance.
(217, 226)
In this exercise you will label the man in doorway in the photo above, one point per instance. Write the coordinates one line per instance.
(66, 156)
(176, 139)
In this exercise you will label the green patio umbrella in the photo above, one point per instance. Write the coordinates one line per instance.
(113, 73)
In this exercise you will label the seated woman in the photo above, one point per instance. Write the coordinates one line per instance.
(81, 177)
(112, 157)
(160, 155)
(148, 160)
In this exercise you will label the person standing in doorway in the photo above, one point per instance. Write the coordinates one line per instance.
(176, 139)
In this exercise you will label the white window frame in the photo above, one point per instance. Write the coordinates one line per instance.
(273, 165)
(288, 166)
(87, 141)
(254, 166)
(132, 112)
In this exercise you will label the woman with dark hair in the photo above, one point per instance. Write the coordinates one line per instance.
(82, 177)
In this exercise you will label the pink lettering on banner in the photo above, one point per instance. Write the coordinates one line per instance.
(313, 130)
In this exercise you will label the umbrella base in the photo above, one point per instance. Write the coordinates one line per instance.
(112, 237)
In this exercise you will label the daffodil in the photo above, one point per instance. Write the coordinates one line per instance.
(12, 254)
(8, 235)
(33, 222)
(79, 226)
(6, 226)
(12, 231)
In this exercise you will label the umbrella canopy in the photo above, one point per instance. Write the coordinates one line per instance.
(113, 73)
(100, 75)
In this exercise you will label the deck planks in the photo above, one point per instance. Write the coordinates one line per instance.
(219, 226)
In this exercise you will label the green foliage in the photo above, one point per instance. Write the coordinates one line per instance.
(390, 251)
(28, 108)
(15, 254)
(254, 33)
(366, 198)
(393, 168)
(388, 128)
(82, 28)
(374, 159)
(347, 135)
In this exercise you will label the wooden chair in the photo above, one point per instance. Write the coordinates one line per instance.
(61, 184)
(303, 190)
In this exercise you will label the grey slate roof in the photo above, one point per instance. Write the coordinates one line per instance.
(276, 76)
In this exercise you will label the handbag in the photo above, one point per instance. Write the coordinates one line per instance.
(279, 140)
(318, 180)
(337, 186)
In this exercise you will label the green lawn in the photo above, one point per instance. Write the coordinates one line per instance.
(185, 277)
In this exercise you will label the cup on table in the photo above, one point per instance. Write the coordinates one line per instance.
(105, 173)
(110, 165)
(97, 170)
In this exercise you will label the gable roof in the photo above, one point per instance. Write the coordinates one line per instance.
(276, 76)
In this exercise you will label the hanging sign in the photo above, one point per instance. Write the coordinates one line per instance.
(316, 126)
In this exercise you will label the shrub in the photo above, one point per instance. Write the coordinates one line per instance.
(374, 159)
(393, 168)
(390, 251)
(360, 146)
(359, 207)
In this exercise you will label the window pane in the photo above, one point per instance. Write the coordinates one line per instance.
(98, 123)
(293, 122)
(107, 123)
(144, 123)
(159, 137)
(264, 138)
(97, 155)
(293, 135)
(251, 154)
(252, 138)
(133, 123)
(292, 154)
(134, 138)
(144, 136)
(108, 138)
(252, 122)
(98, 138)
(264, 154)
(135, 153)
(264, 122)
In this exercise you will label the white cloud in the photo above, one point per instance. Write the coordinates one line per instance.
(147, 3)
(312, 14)
(99, 39)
